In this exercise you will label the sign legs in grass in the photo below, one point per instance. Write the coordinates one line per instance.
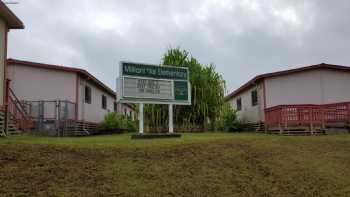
(141, 118)
(171, 126)
(153, 84)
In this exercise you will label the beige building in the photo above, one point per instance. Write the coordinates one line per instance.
(311, 85)
(8, 20)
(92, 99)
(11, 118)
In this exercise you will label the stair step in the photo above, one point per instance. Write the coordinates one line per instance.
(16, 132)
(80, 133)
(258, 126)
(12, 127)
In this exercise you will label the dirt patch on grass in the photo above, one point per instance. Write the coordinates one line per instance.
(233, 168)
(251, 167)
(39, 170)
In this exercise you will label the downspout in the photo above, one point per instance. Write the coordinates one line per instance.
(83, 101)
(77, 100)
(5, 67)
(264, 112)
(264, 97)
(5, 85)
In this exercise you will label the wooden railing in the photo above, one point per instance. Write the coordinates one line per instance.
(15, 110)
(285, 115)
(78, 127)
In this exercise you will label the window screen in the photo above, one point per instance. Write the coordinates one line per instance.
(87, 94)
(104, 102)
(254, 97)
(239, 104)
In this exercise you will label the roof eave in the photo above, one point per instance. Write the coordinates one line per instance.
(12, 21)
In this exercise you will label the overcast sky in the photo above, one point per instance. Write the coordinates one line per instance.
(242, 38)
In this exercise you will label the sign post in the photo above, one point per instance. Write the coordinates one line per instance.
(141, 118)
(171, 121)
(153, 84)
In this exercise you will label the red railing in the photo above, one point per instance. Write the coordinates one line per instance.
(15, 110)
(284, 115)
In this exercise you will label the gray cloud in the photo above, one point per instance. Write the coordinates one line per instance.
(242, 38)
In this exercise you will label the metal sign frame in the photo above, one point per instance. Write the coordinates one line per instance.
(123, 99)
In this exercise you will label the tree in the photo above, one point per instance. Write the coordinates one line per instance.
(207, 90)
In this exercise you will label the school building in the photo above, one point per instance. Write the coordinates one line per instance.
(9, 112)
(60, 92)
(309, 98)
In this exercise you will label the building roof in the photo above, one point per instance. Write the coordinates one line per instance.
(258, 78)
(12, 21)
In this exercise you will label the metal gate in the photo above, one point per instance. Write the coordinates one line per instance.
(48, 116)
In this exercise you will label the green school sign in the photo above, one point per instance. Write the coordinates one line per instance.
(152, 71)
(144, 83)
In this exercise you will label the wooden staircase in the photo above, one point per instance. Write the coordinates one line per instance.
(78, 128)
(12, 128)
(13, 117)
(296, 130)
(2, 124)
(258, 127)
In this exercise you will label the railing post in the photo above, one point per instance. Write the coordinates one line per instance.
(311, 120)
(266, 120)
(280, 121)
(286, 118)
(323, 118)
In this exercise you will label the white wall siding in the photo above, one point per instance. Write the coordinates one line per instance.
(33, 84)
(93, 112)
(249, 113)
(297, 88)
(335, 86)
(320, 86)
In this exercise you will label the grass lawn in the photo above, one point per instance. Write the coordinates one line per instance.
(207, 164)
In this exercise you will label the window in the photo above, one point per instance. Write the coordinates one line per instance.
(104, 102)
(239, 104)
(125, 112)
(115, 106)
(254, 97)
(87, 94)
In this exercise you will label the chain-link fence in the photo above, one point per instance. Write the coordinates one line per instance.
(48, 116)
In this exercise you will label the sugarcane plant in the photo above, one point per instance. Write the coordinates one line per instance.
(207, 89)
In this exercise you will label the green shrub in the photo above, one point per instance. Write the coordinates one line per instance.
(131, 125)
(217, 125)
(117, 121)
(230, 120)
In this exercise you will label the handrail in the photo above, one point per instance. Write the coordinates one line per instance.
(14, 108)
(21, 108)
(308, 114)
